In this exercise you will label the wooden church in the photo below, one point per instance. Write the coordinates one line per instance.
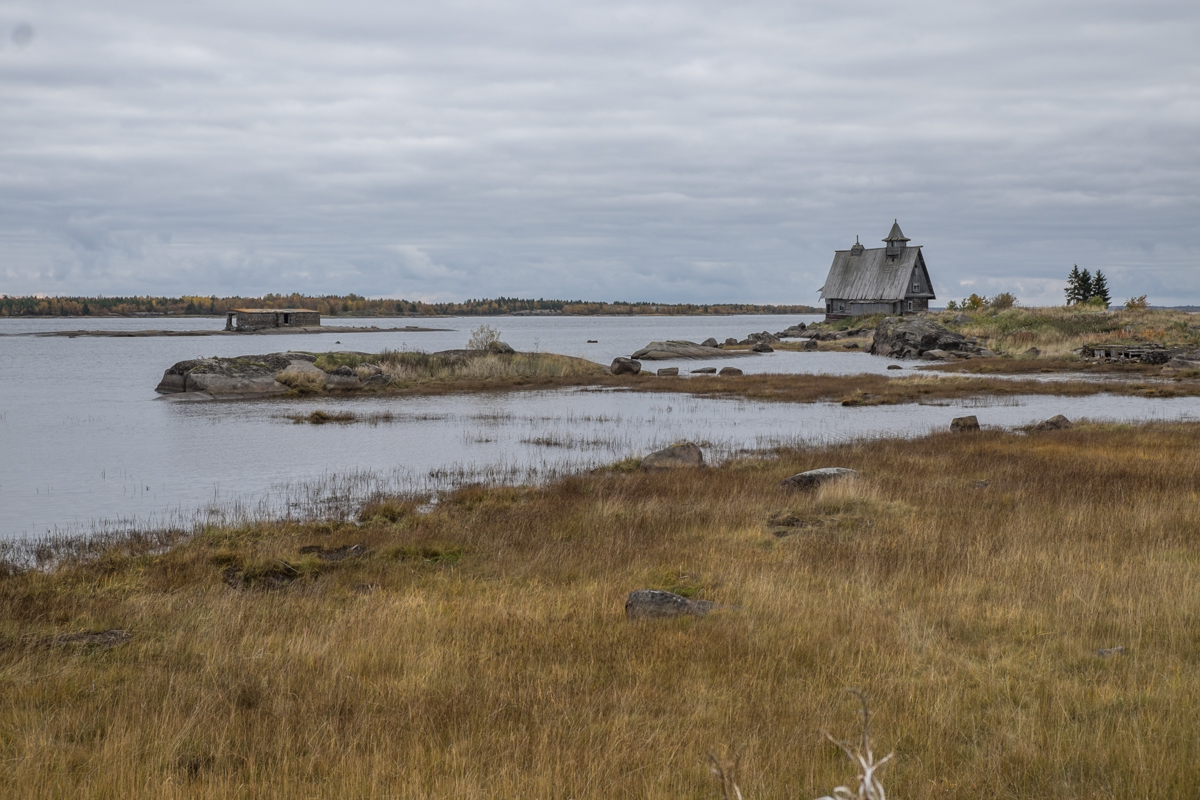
(878, 280)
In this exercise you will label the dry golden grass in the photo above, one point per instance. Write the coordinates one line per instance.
(1056, 331)
(480, 651)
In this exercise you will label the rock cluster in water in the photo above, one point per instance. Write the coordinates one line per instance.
(241, 376)
(916, 337)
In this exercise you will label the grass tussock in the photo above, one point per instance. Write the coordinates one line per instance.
(322, 417)
(477, 648)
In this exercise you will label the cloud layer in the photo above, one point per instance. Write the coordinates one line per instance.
(689, 151)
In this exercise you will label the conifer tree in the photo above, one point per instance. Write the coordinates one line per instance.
(1100, 288)
(1073, 287)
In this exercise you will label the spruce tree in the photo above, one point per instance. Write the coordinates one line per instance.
(1073, 285)
(1100, 288)
(1085, 286)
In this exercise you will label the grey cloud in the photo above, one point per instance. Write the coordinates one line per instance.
(674, 151)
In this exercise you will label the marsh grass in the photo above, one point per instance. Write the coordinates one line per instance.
(480, 650)
(468, 365)
(322, 417)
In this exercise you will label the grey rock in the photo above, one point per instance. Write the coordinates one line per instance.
(964, 424)
(1056, 423)
(1109, 652)
(851, 345)
(730, 371)
(709, 342)
(1032, 352)
(657, 604)
(765, 336)
(762, 347)
(500, 348)
(660, 351)
(895, 366)
(680, 454)
(983, 352)
(242, 376)
(1178, 364)
(960, 319)
(668, 372)
(900, 336)
(625, 366)
(981, 484)
(815, 477)
(731, 340)
(809, 344)
(343, 378)
(792, 331)
(705, 371)
(935, 355)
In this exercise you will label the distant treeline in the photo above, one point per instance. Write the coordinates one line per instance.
(353, 305)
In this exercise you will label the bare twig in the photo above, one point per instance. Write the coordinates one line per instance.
(869, 787)
(726, 775)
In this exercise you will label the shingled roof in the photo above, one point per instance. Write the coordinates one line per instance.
(870, 275)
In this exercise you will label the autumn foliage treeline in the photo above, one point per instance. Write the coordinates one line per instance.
(355, 305)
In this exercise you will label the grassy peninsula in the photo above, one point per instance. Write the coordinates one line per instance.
(414, 373)
(478, 648)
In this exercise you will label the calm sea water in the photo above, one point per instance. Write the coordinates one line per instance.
(85, 440)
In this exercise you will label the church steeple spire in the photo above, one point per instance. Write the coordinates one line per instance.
(896, 240)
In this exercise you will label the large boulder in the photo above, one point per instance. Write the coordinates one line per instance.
(668, 372)
(243, 376)
(625, 366)
(343, 378)
(792, 331)
(815, 477)
(500, 348)
(730, 372)
(762, 347)
(680, 454)
(661, 351)
(709, 342)
(657, 604)
(964, 424)
(909, 337)
(705, 371)
(1056, 423)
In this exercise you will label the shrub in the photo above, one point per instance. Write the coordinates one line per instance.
(973, 303)
(1003, 301)
(483, 336)
(1136, 303)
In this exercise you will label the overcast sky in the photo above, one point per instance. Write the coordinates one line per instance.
(690, 151)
